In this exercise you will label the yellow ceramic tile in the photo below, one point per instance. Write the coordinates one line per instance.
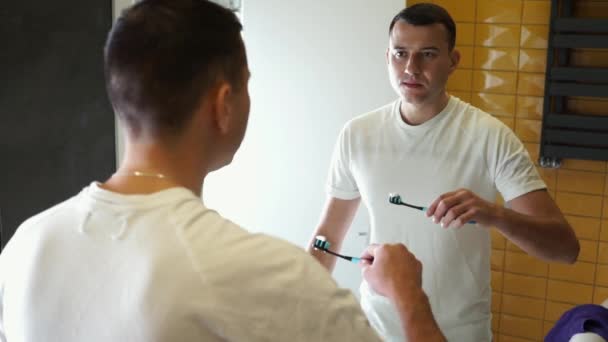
(584, 165)
(580, 181)
(602, 256)
(595, 58)
(555, 310)
(498, 240)
(605, 214)
(604, 231)
(600, 295)
(528, 130)
(534, 150)
(521, 327)
(525, 285)
(508, 338)
(461, 10)
(602, 275)
(586, 105)
(523, 306)
(561, 291)
(606, 185)
(525, 264)
(585, 227)
(580, 272)
(499, 11)
(549, 176)
(579, 204)
(508, 121)
(536, 12)
(495, 324)
(532, 84)
(465, 34)
(511, 247)
(504, 59)
(502, 82)
(529, 107)
(591, 9)
(497, 35)
(466, 57)
(460, 80)
(495, 104)
(497, 259)
(588, 251)
(463, 95)
(497, 280)
(547, 326)
(532, 60)
(496, 300)
(534, 36)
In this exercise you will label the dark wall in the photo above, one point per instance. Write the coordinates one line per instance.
(56, 124)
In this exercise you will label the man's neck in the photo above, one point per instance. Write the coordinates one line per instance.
(417, 114)
(151, 168)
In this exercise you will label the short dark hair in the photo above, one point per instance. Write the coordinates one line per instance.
(423, 14)
(162, 56)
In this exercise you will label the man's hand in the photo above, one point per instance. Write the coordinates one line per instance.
(391, 269)
(457, 208)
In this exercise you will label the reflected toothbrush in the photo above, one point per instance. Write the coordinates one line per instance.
(396, 199)
(322, 244)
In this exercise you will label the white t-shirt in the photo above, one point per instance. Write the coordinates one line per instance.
(462, 147)
(109, 267)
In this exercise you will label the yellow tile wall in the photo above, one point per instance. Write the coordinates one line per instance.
(503, 45)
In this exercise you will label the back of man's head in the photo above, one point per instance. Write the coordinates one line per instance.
(163, 56)
(423, 14)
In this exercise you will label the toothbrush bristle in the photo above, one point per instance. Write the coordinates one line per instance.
(394, 198)
(321, 243)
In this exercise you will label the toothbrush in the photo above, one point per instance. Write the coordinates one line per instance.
(322, 244)
(396, 199)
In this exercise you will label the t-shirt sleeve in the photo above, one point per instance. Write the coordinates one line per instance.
(514, 172)
(341, 183)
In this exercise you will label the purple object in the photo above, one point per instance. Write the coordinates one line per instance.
(583, 318)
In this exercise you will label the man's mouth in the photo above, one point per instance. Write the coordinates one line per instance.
(411, 84)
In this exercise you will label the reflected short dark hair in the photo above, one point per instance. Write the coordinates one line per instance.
(423, 14)
(162, 56)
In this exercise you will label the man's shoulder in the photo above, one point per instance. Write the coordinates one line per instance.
(217, 243)
(477, 118)
(374, 118)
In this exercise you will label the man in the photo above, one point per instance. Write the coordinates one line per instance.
(435, 150)
(140, 258)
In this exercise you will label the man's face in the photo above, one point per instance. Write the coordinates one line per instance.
(419, 62)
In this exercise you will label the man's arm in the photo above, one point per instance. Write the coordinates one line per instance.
(535, 223)
(335, 221)
(394, 272)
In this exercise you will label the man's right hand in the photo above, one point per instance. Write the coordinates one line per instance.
(394, 272)
(391, 270)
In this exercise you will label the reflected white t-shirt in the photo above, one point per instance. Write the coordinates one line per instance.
(162, 267)
(462, 147)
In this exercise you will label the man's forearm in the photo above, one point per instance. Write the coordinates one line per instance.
(548, 238)
(416, 317)
(327, 260)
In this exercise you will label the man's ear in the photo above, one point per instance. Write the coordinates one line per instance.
(222, 106)
(388, 50)
(455, 59)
